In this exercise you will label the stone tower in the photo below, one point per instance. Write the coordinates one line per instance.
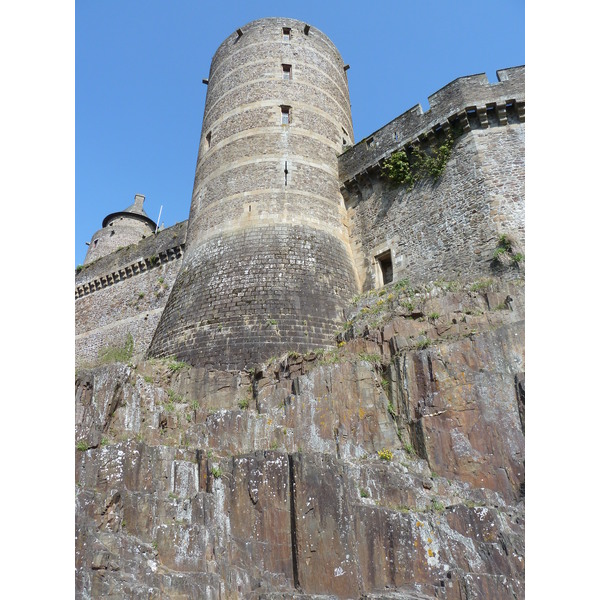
(120, 229)
(267, 265)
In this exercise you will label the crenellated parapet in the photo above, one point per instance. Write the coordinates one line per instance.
(141, 265)
(468, 103)
(124, 293)
(151, 252)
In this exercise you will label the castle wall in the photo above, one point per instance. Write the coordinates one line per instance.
(268, 266)
(449, 228)
(122, 231)
(125, 293)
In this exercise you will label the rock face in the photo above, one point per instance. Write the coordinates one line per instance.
(392, 467)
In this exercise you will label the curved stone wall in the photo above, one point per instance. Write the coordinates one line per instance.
(266, 243)
(120, 232)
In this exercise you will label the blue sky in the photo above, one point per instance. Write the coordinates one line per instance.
(140, 99)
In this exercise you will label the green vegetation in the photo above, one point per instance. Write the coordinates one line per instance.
(371, 358)
(113, 354)
(216, 472)
(392, 410)
(434, 316)
(437, 505)
(402, 284)
(148, 379)
(505, 252)
(482, 285)
(407, 305)
(79, 268)
(175, 365)
(153, 260)
(195, 405)
(409, 449)
(82, 445)
(364, 493)
(403, 168)
(398, 170)
(448, 286)
(385, 454)
(243, 404)
(173, 397)
(424, 343)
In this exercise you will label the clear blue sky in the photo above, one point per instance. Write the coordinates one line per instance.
(140, 98)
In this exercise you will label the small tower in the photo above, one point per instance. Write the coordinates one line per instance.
(120, 229)
(267, 266)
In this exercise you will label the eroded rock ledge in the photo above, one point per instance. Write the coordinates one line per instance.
(391, 468)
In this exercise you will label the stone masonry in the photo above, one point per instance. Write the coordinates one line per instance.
(268, 265)
(289, 219)
(346, 415)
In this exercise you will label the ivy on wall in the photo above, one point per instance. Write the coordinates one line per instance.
(403, 168)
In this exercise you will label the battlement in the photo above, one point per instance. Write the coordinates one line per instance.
(130, 270)
(285, 227)
(131, 260)
(471, 102)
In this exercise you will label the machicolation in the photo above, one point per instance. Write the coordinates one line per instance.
(290, 219)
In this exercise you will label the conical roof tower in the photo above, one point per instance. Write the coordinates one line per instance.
(120, 229)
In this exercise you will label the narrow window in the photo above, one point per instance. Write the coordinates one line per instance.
(285, 115)
(287, 32)
(95, 243)
(386, 269)
(285, 174)
(369, 142)
(344, 142)
(208, 138)
(287, 71)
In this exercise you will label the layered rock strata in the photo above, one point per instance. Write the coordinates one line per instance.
(391, 467)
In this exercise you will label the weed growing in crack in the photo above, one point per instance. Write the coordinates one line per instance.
(385, 454)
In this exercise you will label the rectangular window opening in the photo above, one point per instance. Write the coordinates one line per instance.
(386, 269)
(287, 71)
(285, 115)
(287, 32)
(369, 142)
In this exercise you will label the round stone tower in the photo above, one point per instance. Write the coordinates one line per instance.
(267, 265)
(120, 229)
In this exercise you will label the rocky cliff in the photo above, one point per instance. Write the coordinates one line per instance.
(392, 467)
